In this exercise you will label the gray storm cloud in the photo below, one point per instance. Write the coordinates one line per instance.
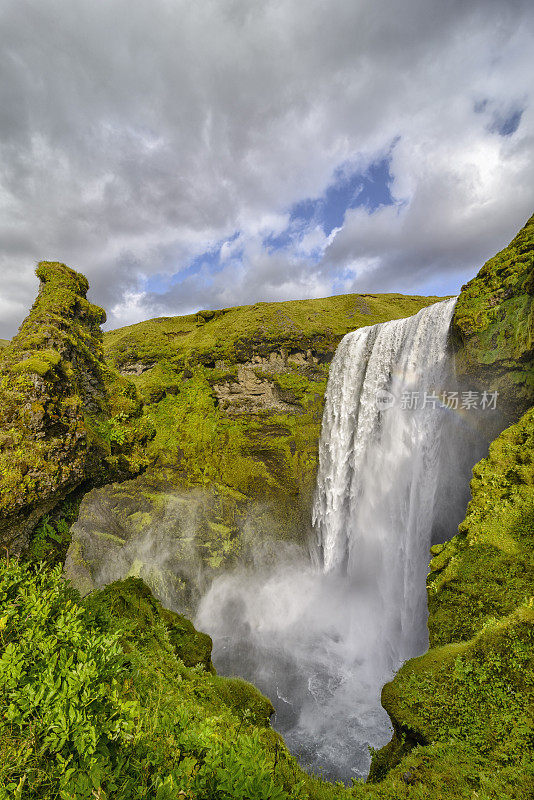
(134, 137)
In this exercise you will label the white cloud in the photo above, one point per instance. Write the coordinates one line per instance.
(134, 137)
(132, 308)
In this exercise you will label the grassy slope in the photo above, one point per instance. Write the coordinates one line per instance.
(462, 712)
(237, 333)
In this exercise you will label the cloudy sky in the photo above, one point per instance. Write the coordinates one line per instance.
(190, 154)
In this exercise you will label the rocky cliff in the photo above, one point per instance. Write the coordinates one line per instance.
(66, 418)
(493, 326)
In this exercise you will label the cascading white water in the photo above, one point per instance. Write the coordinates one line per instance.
(321, 642)
(379, 469)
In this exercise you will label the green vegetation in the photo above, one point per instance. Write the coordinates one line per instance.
(494, 324)
(117, 698)
(52, 536)
(66, 418)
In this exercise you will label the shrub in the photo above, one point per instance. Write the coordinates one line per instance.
(61, 686)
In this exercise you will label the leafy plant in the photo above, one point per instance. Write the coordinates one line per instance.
(52, 535)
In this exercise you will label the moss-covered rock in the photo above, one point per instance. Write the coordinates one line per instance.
(66, 418)
(487, 570)
(141, 616)
(176, 540)
(494, 325)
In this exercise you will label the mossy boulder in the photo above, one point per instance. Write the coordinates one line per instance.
(477, 694)
(142, 616)
(176, 540)
(66, 418)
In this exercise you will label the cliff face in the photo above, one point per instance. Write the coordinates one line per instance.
(493, 326)
(65, 416)
(235, 398)
(487, 570)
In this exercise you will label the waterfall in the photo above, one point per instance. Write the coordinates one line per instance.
(321, 636)
(379, 469)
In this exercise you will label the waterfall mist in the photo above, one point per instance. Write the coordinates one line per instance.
(321, 631)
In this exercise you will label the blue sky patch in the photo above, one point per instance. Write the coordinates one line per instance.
(349, 189)
(506, 126)
(369, 188)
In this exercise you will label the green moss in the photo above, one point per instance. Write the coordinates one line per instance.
(480, 692)
(488, 569)
(235, 334)
(243, 698)
(494, 324)
(46, 361)
(185, 401)
(66, 418)
(143, 616)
